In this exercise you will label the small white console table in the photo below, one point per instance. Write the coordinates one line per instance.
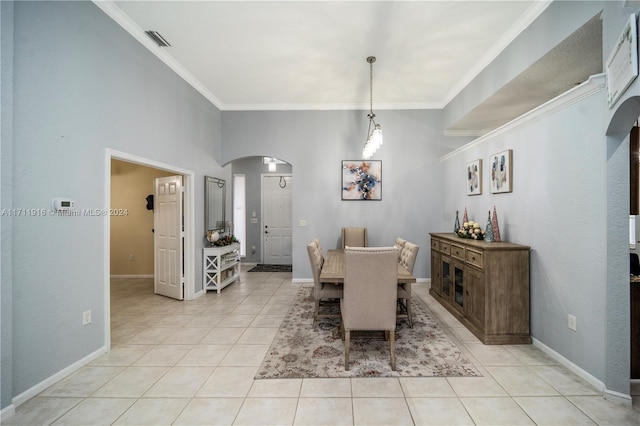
(220, 266)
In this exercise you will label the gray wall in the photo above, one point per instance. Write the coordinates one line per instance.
(558, 208)
(316, 142)
(82, 85)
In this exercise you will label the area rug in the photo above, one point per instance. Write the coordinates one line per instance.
(261, 267)
(299, 351)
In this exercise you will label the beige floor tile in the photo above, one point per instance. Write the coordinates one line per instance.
(438, 411)
(521, 381)
(228, 382)
(236, 320)
(223, 336)
(152, 336)
(564, 381)
(476, 386)
(258, 336)
(324, 411)
(605, 412)
(552, 410)
(495, 411)
(206, 321)
(96, 411)
(122, 355)
(267, 411)
(173, 321)
(133, 382)
(83, 382)
(530, 355)
(267, 321)
(273, 309)
(153, 411)
(210, 412)
(163, 355)
(205, 355)
(247, 309)
(320, 387)
(41, 410)
(489, 355)
(186, 336)
(245, 355)
(179, 382)
(381, 411)
(421, 387)
(376, 387)
(276, 388)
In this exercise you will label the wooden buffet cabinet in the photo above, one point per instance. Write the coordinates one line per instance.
(484, 285)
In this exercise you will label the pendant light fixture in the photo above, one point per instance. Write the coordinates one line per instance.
(374, 134)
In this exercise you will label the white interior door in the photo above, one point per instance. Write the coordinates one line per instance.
(276, 231)
(168, 236)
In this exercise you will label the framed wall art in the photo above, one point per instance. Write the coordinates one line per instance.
(501, 172)
(474, 177)
(362, 180)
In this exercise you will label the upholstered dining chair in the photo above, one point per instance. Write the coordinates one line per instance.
(354, 237)
(407, 260)
(370, 294)
(321, 290)
(399, 245)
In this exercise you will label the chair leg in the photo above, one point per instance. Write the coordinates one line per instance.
(409, 315)
(392, 347)
(315, 313)
(347, 336)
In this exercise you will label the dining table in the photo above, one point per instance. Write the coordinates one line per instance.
(333, 269)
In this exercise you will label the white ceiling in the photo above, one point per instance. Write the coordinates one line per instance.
(291, 55)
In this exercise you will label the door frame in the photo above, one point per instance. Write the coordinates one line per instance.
(262, 177)
(189, 230)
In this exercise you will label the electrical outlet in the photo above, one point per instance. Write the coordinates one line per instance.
(131, 258)
(572, 322)
(86, 317)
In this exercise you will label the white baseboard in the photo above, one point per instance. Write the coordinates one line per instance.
(594, 381)
(7, 412)
(33, 391)
(132, 276)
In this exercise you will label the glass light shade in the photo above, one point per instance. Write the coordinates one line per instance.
(373, 143)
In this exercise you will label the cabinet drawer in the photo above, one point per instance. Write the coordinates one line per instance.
(457, 251)
(435, 245)
(474, 258)
(445, 247)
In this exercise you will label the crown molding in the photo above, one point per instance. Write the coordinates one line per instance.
(115, 13)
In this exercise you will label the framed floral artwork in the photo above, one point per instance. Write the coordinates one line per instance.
(474, 177)
(362, 180)
(501, 172)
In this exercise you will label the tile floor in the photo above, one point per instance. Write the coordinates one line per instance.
(193, 363)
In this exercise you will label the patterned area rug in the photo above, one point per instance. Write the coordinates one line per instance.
(262, 267)
(298, 351)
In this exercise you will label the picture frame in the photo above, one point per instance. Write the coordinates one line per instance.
(474, 177)
(361, 180)
(622, 64)
(501, 167)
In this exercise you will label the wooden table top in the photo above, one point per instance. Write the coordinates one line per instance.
(333, 269)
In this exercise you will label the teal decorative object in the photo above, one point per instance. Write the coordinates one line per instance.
(488, 232)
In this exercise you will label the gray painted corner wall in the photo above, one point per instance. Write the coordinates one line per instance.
(90, 87)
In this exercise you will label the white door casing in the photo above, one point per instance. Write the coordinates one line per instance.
(277, 219)
(168, 237)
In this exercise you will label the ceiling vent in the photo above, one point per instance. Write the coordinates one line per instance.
(162, 42)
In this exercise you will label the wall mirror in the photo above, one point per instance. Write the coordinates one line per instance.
(214, 197)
